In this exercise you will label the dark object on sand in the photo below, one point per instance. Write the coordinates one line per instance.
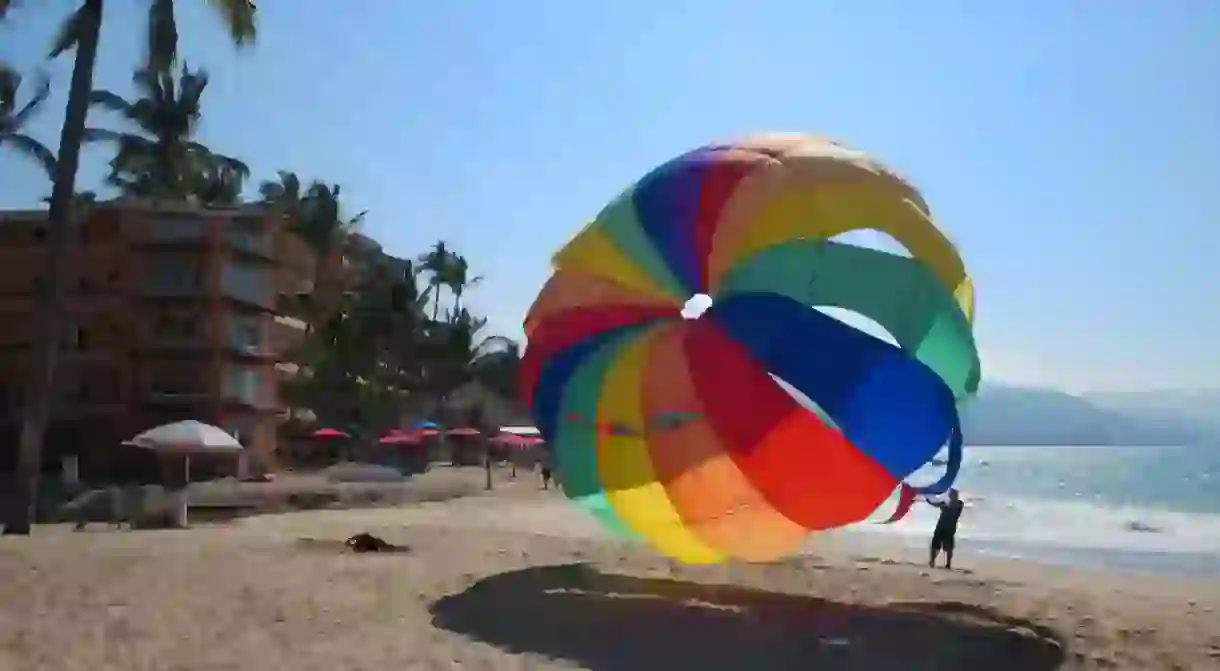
(365, 542)
(1142, 527)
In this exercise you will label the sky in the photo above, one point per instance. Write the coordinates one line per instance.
(1071, 150)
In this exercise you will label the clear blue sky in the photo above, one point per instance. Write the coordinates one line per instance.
(1071, 149)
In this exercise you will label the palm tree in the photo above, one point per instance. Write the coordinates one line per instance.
(81, 31)
(284, 193)
(13, 119)
(456, 277)
(316, 216)
(497, 367)
(219, 186)
(159, 159)
(239, 18)
(321, 221)
(454, 351)
(436, 263)
(363, 356)
(82, 198)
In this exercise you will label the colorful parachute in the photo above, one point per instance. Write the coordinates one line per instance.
(676, 430)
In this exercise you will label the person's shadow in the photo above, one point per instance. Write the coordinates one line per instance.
(612, 622)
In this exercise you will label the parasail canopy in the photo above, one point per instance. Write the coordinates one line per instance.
(678, 426)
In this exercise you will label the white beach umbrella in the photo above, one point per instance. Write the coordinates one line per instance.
(521, 430)
(187, 437)
(183, 440)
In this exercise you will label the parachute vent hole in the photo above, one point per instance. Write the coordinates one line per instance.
(695, 306)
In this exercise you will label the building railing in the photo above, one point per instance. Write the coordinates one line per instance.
(174, 281)
(253, 242)
(175, 341)
(175, 228)
(179, 396)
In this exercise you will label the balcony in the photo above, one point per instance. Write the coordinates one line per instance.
(248, 283)
(248, 235)
(175, 394)
(175, 229)
(174, 331)
(248, 385)
(176, 397)
(166, 278)
(177, 383)
(245, 336)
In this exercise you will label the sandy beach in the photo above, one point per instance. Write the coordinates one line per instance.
(518, 579)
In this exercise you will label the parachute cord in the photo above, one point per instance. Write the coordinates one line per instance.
(955, 463)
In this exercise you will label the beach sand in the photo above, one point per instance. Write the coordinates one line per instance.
(518, 579)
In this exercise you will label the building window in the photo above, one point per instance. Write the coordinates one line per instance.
(176, 381)
(100, 386)
(248, 234)
(174, 277)
(241, 428)
(245, 333)
(173, 326)
(244, 383)
(247, 282)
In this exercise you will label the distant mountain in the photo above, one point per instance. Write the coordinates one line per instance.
(1194, 413)
(1005, 415)
(1000, 415)
(1199, 405)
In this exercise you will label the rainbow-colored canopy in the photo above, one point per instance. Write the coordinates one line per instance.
(676, 430)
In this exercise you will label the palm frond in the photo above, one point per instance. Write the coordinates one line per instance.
(240, 18)
(191, 85)
(162, 48)
(31, 106)
(72, 30)
(284, 192)
(104, 135)
(235, 165)
(10, 82)
(111, 101)
(33, 149)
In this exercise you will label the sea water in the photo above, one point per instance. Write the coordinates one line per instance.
(1143, 508)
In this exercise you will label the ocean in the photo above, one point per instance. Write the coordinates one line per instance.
(1133, 508)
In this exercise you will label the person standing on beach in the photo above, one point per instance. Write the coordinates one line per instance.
(944, 535)
(545, 467)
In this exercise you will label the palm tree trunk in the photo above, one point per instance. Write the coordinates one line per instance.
(49, 322)
(436, 300)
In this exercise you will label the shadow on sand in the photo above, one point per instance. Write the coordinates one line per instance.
(611, 622)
